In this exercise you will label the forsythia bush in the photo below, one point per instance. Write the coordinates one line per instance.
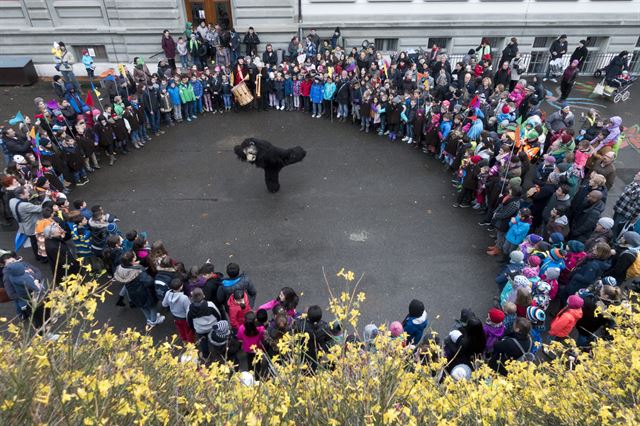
(91, 375)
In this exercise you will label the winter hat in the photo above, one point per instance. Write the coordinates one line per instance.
(496, 315)
(516, 256)
(454, 335)
(219, 333)
(461, 372)
(396, 328)
(534, 238)
(416, 308)
(543, 287)
(552, 274)
(370, 333)
(632, 239)
(521, 281)
(536, 315)
(606, 222)
(550, 159)
(19, 159)
(505, 109)
(575, 302)
(530, 272)
(563, 167)
(515, 182)
(476, 159)
(575, 246)
(556, 238)
(575, 62)
(556, 254)
(534, 261)
(610, 281)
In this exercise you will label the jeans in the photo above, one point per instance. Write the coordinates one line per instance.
(409, 130)
(317, 108)
(343, 110)
(143, 132)
(184, 61)
(227, 101)
(79, 175)
(365, 121)
(154, 120)
(151, 314)
(187, 110)
(135, 135)
(198, 105)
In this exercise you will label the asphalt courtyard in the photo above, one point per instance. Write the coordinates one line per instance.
(357, 202)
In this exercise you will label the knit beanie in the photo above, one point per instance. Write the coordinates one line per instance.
(536, 315)
(606, 222)
(496, 315)
(370, 333)
(556, 238)
(552, 274)
(534, 238)
(534, 261)
(416, 308)
(556, 254)
(220, 331)
(610, 281)
(454, 335)
(516, 256)
(575, 302)
(575, 246)
(396, 328)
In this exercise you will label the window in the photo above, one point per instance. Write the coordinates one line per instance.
(99, 52)
(538, 62)
(542, 42)
(386, 44)
(441, 42)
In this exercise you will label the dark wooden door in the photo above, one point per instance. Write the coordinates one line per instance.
(211, 11)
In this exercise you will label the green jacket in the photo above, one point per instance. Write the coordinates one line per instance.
(118, 109)
(186, 93)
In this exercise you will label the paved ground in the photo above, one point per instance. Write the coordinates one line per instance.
(357, 201)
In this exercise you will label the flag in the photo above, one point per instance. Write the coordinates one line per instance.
(384, 67)
(52, 104)
(19, 118)
(122, 69)
(96, 90)
(89, 100)
(475, 102)
(32, 134)
(517, 136)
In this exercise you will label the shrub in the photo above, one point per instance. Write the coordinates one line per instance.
(91, 375)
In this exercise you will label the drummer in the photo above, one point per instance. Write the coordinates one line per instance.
(240, 71)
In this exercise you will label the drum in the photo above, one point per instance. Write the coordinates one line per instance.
(242, 94)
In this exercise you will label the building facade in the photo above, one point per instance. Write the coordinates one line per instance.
(119, 30)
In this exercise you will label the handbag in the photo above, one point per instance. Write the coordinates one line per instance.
(599, 89)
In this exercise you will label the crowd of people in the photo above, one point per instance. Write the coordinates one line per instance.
(538, 183)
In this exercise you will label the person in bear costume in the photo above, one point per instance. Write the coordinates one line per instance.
(268, 157)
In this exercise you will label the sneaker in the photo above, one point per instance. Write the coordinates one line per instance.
(82, 182)
(313, 116)
(406, 138)
(161, 132)
(188, 119)
(484, 223)
(194, 117)
(465, 206)
(554, 80)
(455, 205)
(410, 141)
(545, 79)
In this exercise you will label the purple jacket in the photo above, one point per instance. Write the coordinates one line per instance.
(493, 333)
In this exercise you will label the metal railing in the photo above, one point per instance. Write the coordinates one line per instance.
(536, 62)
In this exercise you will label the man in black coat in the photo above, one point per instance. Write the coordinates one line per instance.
(61, 257)
(510, 51)
(580, 54)
(585, 221)
(512, 346)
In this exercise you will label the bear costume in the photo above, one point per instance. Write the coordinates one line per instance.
(268, 157)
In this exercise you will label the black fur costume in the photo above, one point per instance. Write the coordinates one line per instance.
(270, 158)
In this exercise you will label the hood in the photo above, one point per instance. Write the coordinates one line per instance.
(200, 309)
(632, 239)
(174, 296)
(15, 269)
(615, 121)
(421, 319)
(229, 282)
(126, 275)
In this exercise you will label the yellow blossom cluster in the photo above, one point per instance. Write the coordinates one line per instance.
(93, 376)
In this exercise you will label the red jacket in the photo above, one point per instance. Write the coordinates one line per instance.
(564, 322)
(305, 87)
(236, 312)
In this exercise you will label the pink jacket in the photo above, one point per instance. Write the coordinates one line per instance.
(248, 341)
(268, 306)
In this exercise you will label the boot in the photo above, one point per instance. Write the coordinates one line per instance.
(362, 128)
(112, 159)
(135, 145)
(87, 165)
(95, 162)
(493, 251)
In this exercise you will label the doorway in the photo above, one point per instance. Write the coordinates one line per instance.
(211, 11)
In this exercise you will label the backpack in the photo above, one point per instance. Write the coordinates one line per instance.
(526, 356)
(633, 271)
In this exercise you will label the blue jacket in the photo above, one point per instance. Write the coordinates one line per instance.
(329, 90)
(174, 94)
(288, 87)
(445, 129)
(317, 93)
(414, 327)
(587, 273)
(197, 88)
(517, 231)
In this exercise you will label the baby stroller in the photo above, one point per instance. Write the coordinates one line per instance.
(555, 68)
(617, 90)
